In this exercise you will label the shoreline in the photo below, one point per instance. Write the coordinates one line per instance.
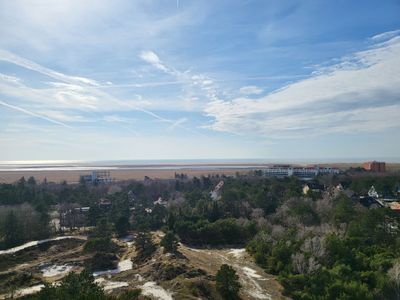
(154, 171)
(72, 176)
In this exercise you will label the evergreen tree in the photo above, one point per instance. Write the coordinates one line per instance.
(144, 245)
(227, 282)
(12, 230)
(122, 226)
(170, 242)
(73, 287)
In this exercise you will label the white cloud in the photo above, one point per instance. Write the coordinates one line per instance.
(152, 58)
(386, 35)
(73, 91)
(359, 94)
(194, 85)
(250, 89)
(8, 78)
(117, 119)
(65, 116)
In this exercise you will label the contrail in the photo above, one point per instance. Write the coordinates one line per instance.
(31, 113)
(83, 82)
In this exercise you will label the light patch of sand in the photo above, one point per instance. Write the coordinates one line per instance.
(128, 240)
(259, 295)
(28, 291)
(35, 243)
(123, 265)
(138, 277)
(195, 250)
(250, 272)
(56, 270)
(157, 292)
(237, 252)
(109, 285)
(256, 291)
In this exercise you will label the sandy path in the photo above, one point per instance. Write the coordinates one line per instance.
(35, 243)
(256, 284)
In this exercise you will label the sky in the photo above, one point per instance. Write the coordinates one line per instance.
(185, 79)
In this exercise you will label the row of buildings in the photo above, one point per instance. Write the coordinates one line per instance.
(97, 177)
(301, 172)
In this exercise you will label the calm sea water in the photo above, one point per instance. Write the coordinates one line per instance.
(176, 164)
(63, 165)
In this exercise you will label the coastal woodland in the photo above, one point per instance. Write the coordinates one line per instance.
(325, 244)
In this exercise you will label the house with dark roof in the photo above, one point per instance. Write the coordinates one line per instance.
(104, 204)
(369, 202)
(313, 187)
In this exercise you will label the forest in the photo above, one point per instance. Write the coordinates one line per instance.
(323, 245)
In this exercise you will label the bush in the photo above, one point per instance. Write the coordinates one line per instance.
(73, 287)
(144, 246)
(101, 261)
(227, 282)
(223, 231)
(170, 242)
(101, 245)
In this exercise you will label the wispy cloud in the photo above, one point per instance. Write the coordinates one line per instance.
(250, 89)
(118, 119)
(153, 59)
(79, 91)
(386, 35)
(195, 86)
(358, 94)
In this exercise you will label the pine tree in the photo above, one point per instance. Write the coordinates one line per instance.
(170, 242)
(227, 282)
(12, 230)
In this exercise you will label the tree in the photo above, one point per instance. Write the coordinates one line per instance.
(171, 220)
(144, 245)
(227, 282)
(73, 287)
(31, 181)
(394, 276)
(12, 230)
(122, 225)
(344, 210)
(170, 242)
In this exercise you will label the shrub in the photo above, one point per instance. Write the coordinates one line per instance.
(227, 282)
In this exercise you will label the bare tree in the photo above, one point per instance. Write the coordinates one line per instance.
(394, 275)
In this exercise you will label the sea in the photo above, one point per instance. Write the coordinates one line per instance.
(166, 164)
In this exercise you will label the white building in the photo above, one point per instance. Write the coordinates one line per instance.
(302, 172)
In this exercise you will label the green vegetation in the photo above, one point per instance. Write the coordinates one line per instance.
(227, 282)
(144, 246)
(80, 287)
(22, 223)
(101, 244)
(223, 231)
(73, 287)
(349, 262)
(170, 242)
(325, 245)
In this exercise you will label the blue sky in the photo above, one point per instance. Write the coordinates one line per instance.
(284, 80)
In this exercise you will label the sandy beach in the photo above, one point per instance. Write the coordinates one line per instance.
(126, 174)
(155, 171)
